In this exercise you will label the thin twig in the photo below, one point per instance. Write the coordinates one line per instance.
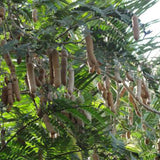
(18, 133)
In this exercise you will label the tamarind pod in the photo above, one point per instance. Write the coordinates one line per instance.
(122, 92)
(2, 12)
(42, 75)
(12, 68)
(38, 82)
(48, 124)
(107, 84)
(3, 137)
(50, 51)
(31, 77)
(98, 70)
(129, 76)
(130, 116)
(90, 50)
(71, 81)
(8, 60)
(117, 75)
(64, 69)
(132, 101)
(128, 134)
(135, 27)
(16, 89)
(144, 127)
(34, 15)
(55, 59)
(57, 78)
(110, 102)
(19, 60)
(100, 86)
(91, 68)
(95, 156)
(104, 95)
(146, 141)
(145, 90)
(10, 91)
(139, 88)
(4, 97)
(135, 106)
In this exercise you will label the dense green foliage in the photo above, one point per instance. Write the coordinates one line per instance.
(64, 24)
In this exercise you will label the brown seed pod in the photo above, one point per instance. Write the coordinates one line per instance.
(135, 27)
(105, 96)
(3, 137)
(16, 89)
(139, 88)
(42, 75)
(49, 52)
(145, 90)
(48, 125)
(31, 77)
(146, 141)
(128, 134)
(111, 102)
(71, 81)
(117, 75)
(8, 60)
(132, 101)
(10, 92)
(19, 60)
(34, 15)
(122, 92)
(38, 82)
(64, 67)
(107, 84)
(57, 77)
(55, 59)
(2, 12)
(4, 96)
(91, 59)
(129, 76)
(130, 118)
(100, 86)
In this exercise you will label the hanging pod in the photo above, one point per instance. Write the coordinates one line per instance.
(4, 96)
(51, 69)
(117, 75)
(34, 15)
(56, 68)
(71, 80)
(31, 77)
(2, 12)
(135, 27)
(16, 89)
(91, 59)
(64, 65)
(10, 93)
(129, 76)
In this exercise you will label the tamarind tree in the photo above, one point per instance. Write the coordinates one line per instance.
(75, 82)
